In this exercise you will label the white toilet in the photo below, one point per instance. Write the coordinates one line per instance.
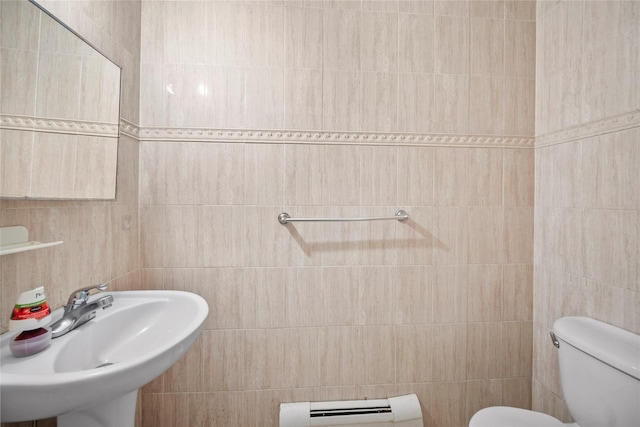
(600, 377)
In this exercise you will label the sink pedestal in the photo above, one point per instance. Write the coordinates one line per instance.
(119, 412)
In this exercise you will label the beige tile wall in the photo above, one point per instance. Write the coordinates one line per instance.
(100, 238)
(440, 305)
(587, 202)
(398, 66)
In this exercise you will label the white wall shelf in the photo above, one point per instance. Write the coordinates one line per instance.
(16, 239)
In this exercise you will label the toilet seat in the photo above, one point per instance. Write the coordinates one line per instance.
(504, 416)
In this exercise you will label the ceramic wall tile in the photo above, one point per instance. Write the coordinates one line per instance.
(225, 350)
(268, 285)
(487, 8)
(517, 292)
(20, 27)
(303, 186)
(57, 97)
(486, 235)
(184, 95)
(340, 243)
(450, 294)
(414, 354)
(452, 8)
(377, 357)
(597, 100)
(264, 357)
(518, 235)
(303, 99)
(379, 107)
(610, 245)
(380, 5)
(485, 177)
(378, 175)
(609, 175)
(487, 46)
(484, 294)
(416, 103)
(521, 10)
(378, 238)
(339, 367)
(305, 297)
(451, 45)
(225, 104)
(627, 63)
(416, 6)
(414, 295)
(99, 101)
(341, 39)
(451, 103)
(341, 179)
(517, 342)
(518, 175)
(341, 293)
(519, 48)
(19, 67)
(301, 364)
(151, 226)
(303, 37)
(265, 35)
(151, 94)
(376, 292)
(415, 242)
(415, 176)
(16, 147)
(227, 21)
(519, 105)
(95, 158)
(152, 32)
(222, 244)
(486, 105)
(341, 100)
(450, 236)
(449, 352)
(379, 42)
(185, 32)
(450, 176)
(54, 165)
(416, 43)
(484, 350)
(264, 174)
(182, 245)
(264, 98)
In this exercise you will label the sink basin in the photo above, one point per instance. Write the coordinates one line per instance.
(92, 371)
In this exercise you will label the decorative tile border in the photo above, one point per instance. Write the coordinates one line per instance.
(43, 124)
(129, 129)
(150, 134)
(600, 127)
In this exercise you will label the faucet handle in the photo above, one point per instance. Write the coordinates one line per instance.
(81, 296)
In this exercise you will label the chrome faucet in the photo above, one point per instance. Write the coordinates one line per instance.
(79, 310)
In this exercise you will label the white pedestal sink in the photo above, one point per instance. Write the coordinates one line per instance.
(91, 376)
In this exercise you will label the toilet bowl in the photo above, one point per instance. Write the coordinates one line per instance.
(599, 375)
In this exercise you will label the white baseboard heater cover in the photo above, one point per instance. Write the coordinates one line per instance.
(401, 411)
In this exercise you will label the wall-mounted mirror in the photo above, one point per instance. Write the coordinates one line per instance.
(59, 109)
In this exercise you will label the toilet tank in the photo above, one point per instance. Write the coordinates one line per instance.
(599, 372)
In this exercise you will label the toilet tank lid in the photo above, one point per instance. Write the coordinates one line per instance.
(614, 346)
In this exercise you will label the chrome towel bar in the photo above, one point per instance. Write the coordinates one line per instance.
(400, 215)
